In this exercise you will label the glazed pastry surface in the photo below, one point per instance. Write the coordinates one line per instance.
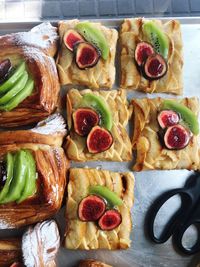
(37, 48)
(86, 235)
(51, 166)
(121, 147)
(151, 155)
(100, 76)
(130, 35)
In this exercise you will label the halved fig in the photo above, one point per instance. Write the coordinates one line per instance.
(176, 137)
(168, 118)
(155, 67)
(87, 55)
(84, 120)
(71, 38)
(91, 208)
(5, 67)
(99, 140)
(142, 51)
(110, 220)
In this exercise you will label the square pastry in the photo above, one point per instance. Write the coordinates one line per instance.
(166, 134)
(110, 197)
(97, 121)
(87, 54)
(151, 56)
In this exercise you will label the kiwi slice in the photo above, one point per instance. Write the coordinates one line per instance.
(93, 35)
(156, 37)
(188, 117)
(98, 104)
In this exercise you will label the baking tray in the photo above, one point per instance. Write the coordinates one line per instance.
(149, 184)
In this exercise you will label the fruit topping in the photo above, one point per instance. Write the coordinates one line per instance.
(99, 140)
(91, 208)
(5, 67)
(102, 191)
(20, 177)
(4, 87)
(157, 37)
(189, 118)
(21, 96)
(84, 120)
(71, 38)
(101, 107)
(168, 118)
(155, 67)
(176, 137)
(142, 51)
(87, 55)
(110, 220)
(95, 36)
(8, 175)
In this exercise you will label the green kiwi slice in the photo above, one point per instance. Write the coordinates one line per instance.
(188, 117)
(93, 35)
(156, 37)
(98, 104)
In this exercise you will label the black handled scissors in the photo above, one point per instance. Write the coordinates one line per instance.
(188, 214)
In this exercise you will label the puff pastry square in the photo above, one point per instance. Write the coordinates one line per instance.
(37, 48)
(51, 166)
(150, 154)
(130, 34)
(121, 148)
(86, 235)
(100, 76)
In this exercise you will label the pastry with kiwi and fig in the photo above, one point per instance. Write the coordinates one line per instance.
(151, 55)
(98, 209)
(33, 170)
(87, 54)
(37, 247)
(97, 126)
(166, 133)
(29, 85)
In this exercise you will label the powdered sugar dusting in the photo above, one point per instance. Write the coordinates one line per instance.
(42, 36)
(53, 124)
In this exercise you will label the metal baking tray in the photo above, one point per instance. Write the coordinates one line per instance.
(149, 184)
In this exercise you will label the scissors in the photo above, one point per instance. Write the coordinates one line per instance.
(188, 214)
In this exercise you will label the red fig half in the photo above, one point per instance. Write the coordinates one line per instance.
(168, 118)
(87, 55)
(99, 140)
(84, 120)
(176, 137)
(91, 208)
(110, 220)
(142, 51)
(71, 38)
(155, 67)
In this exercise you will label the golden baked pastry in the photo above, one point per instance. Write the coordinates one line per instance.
(10, 251)
(92, 263)
(120, 150)
(51, 167)
(130, 35)
(37, 247)
(87, 235)
(100, 76)
(150, 153)
(37, 48)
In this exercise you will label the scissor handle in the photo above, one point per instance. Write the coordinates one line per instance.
(178, 238)
(174, 221)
